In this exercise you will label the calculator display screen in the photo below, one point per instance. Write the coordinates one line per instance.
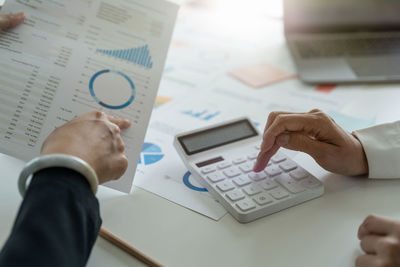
(218, 136)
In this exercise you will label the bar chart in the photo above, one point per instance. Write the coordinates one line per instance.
(140, 55)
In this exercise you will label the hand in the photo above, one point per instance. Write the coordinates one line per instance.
(380, 240)
(316, 134)
(95, 138)
(9, 21)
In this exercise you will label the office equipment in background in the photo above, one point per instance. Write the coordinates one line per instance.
(259, 75)
(222, 156)
(344, 41)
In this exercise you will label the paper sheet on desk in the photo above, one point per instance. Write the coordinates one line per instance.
(70, 57)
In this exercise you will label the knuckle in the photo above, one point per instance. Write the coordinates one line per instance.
(315, 110)
(98, 114)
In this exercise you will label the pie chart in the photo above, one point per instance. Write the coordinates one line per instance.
(151, 154)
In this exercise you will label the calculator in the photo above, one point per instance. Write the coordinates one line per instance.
(221, 158)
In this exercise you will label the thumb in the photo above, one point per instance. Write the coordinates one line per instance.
(303, 143)
(11, 20)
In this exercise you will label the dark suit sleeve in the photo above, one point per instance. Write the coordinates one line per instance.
(57, 223)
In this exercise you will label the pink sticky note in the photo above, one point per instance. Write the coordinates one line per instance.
(260, 75)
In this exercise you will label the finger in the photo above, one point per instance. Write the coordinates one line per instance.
(369, 243)
(272, 116)
(263, 158)
(368, 261)
(9, 21)
(377, 225)
(290, 123)
(121, 166)
(121, 122)
(303, 143)
(120, 144)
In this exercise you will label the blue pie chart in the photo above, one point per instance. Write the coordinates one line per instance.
(151, 154)
(187, 181)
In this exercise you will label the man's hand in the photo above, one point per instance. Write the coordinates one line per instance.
(380, 240)
(10, 21)
(316, 134)
(95, 138)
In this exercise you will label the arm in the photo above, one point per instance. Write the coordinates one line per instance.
(57, 223)
(338, 151)
(59, 219)
(381, 144)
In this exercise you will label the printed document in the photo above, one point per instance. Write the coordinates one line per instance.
(71, 57)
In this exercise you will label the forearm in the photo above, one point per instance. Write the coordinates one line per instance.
(57, 223)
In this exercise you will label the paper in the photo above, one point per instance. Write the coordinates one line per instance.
(260, 75)
(161, 170)
(70, 57)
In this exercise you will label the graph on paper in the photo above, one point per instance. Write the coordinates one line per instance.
(151, 154)
(140, 55)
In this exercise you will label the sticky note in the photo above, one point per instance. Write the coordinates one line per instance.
(260, 75)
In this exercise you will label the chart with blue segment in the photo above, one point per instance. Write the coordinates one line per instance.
(151, 154)
(112, 89)
(140, 55)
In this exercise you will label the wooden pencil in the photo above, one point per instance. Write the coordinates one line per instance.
(128, 248)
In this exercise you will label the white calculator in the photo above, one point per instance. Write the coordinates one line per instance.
(221, 158)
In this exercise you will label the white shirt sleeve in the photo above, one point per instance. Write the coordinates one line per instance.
(382, 147)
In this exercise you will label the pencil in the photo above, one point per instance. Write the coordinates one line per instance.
(128, 248)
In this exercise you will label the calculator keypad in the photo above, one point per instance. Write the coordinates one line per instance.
(247, 191)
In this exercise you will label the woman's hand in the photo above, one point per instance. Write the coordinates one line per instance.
(380, 240)
(316, 134)
(95, 138)
(9, 21)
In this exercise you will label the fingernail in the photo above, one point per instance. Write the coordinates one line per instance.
(283, 139)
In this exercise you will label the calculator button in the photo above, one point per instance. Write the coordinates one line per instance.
(278, 193)
(290, 184)
(269, 184)
(288, 166)
(263, 199)
(253, 155)
(225, 186)
(224, 165)
(239, 160)
(310, 182)
(278, 158)
(241, 180)
(232, 172)
(258, 176)
(235, 195)
(215, 177)
(252, 190)
(246, 167)
(245, 205)
(209, 169)
(298, 174)
(273, 170)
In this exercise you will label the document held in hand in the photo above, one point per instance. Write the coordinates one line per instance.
(71, 57)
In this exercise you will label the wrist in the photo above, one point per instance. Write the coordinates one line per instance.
(362, 162)
(57, 160)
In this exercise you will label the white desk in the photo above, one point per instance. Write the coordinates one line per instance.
(321, 232)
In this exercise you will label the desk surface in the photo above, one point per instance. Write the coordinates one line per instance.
(321, 232)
